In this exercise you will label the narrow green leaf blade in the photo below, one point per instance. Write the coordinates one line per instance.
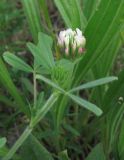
(103, 69)
(2, 142)
(32, 12)
(33, 149)
(90, 7)
(97, 153)
(16, 62)
(6, 81)
(71, 129)
(115, 91)
(63, 155)
(105, 64)
(73, 17)
(45, 11)
(91, 107)
(112, 13)
(95, 83)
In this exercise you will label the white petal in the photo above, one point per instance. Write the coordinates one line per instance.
(79, 32)
(66, 40)
(60, 42)
(80, 41)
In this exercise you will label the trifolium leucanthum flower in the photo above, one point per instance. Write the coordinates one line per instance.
(72, 42)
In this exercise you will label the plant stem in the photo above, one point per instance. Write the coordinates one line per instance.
(18, 143)
(47, 106)
(52, 99)
(76, 112)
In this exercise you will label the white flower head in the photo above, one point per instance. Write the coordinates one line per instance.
(71, 38)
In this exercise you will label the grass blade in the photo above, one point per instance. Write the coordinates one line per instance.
(90, 7)
(32, 13)
(73, 17)
(112, 13)
(10, 87)
(45, 11)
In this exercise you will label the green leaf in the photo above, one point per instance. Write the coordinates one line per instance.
(104, 65)
(38, 60)
(43, 51)
(71, 13)
(32, 149)
(2, 142)
(72, 130)
(102, 69)
(40, 114)
(63, 155)
(109, 15)
(40, 100)
(83, 103)
(90, 7)
(44, 8)
(18, 143)
(97, 153)
(28, 85)
(94, 83)
(16, 62)
(45, 47)
(6, 100)
(120, 144)
(114, 92)
(11, 88)
(113, 107)
(3, 151)
(32, 12)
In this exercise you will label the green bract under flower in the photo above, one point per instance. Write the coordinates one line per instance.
(61, 74)
(72, 43)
